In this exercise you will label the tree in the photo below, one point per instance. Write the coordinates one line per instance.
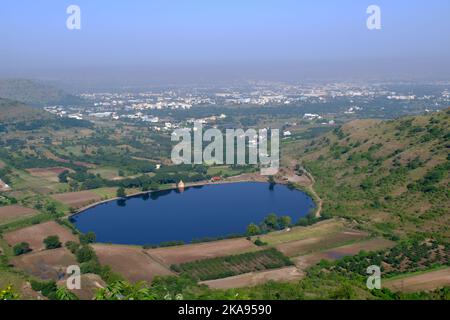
(253, 230)
(284, 221)
(21, 248)
(121, 192)
(87, 238)
(85, 253)
(52, 242)
(271, 221)
(63, 176)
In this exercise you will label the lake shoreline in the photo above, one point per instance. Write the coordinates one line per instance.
(296, 205)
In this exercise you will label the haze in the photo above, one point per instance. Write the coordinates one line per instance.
(160, 41)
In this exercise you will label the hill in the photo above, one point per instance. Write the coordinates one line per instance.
(14, 111)
(35, 93)
(391, 176)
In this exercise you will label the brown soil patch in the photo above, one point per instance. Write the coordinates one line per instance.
(10, 213)
(46, 265)
(423, 282)
(90, 283)
(296, 248)
(36, 234)
(47, 173)
(256, 278)
(193, 252)
(131, 262)
(306, 261)
(77, 199)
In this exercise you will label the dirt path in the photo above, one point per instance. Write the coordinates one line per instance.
(309, 186)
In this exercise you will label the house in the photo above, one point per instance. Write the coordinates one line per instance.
(216, 179)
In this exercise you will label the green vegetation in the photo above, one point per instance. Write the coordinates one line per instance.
(21, 248)
(394, 171)
(121, 192)
(8, 294)
(222, 267)
(52, 242)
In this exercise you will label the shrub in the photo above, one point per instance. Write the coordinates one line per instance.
(21, 248)
(52, 242)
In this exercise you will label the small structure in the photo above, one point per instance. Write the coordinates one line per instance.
(216, 179)
(181, 185)
(4, 186)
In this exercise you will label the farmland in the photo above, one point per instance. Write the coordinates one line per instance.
(46, 265)
(216, 268)
(35, 235)
(120, 258)
(10, 213)
(199, 251)
(424, 281)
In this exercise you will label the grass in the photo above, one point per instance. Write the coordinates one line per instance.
(106, 172)
(300, 233)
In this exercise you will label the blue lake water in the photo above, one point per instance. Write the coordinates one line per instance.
(198, 212)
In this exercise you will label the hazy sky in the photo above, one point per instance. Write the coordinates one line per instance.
(225, 38)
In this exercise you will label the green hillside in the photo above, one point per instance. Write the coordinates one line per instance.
(390, 176)
(35, 93)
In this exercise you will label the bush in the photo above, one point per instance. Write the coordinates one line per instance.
(47, 288)
(52, 242)
(72, 246)
(21, 248)
(260, 243)
(88, 238)
(85, 253)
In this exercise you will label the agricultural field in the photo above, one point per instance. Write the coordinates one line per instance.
(35, 235)
(45, 265)
(216, 268)
(47, 173)
(338, 252)
(301, 247)
(130, 262)
(252, 279)
(77, 199)
(424, 281)
(325, 228)
(14, 212)
(200, 251)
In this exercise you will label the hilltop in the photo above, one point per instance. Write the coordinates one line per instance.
(35, 93)
(391, 176)
(14, 111)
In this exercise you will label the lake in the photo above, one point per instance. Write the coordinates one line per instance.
(210, 211)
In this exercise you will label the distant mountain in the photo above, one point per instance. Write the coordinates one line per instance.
(391, 176)
(35, 93)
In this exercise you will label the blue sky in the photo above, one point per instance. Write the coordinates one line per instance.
(125, 33)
